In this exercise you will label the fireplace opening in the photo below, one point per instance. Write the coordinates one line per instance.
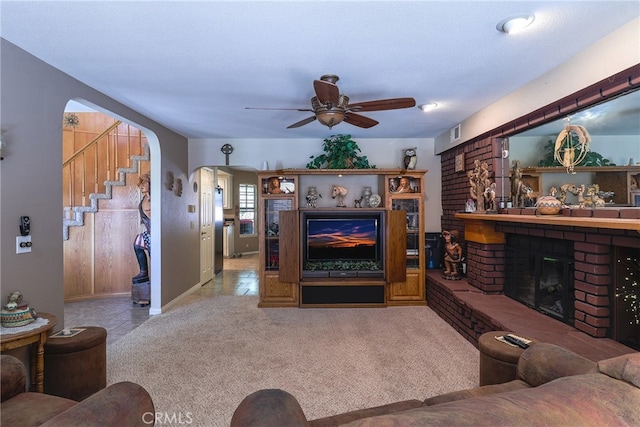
(626, 303)
(539, 273)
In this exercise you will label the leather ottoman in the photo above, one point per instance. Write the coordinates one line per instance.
(76, 367)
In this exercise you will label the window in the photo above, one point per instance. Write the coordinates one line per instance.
(247, 206)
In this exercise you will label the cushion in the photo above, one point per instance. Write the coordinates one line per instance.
(545, 362)
(486, 390)
(33, 409)
(347, 417)
(581, 400)
(625, 367)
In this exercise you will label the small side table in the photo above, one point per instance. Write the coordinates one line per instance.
(498, 360)
(35, 338)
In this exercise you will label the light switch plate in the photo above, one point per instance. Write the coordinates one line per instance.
(26, 240)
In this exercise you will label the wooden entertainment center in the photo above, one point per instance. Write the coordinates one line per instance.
(389, 201)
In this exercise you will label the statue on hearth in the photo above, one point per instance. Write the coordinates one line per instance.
(452, 255)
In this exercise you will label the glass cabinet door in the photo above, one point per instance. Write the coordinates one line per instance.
(412, 207)
(272, 208)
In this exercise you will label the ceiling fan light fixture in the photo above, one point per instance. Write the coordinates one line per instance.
(330, 118)
(428, 107)
(515, 24)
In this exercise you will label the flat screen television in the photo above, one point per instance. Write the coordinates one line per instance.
(346, 241)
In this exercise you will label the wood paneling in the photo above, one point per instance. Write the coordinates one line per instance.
(78, 260)
(115, 262)
(396, 246)
(289, 246)
(99, 257)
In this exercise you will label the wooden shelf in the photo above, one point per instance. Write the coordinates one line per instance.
(387, 171)
(578, 169)
(608, 223)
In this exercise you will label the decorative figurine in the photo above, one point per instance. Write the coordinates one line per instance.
(479, 181)
(312, 197)
(16, 312)
(339, 192)
(452, 255)
(410, 158)
(549, 205)
(470, 206)
(404, 185)
(490, 198)
(142, 242)
(274, 186)
(366, 194)
(521, 192)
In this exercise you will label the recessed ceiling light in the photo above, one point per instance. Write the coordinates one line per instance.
(428, 107)
(515, 24)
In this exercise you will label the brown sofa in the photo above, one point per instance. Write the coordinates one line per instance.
(554, 387)
(120, 404)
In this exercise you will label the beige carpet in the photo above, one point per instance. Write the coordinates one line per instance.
(202, 358)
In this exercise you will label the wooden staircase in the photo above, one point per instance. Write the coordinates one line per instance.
(77, 212)
(102, 158)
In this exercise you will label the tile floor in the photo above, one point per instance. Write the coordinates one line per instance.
(118, 315)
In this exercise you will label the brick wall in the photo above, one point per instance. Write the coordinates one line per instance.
(593, 275)
(485, 263)
(467, 321)
(485, 267)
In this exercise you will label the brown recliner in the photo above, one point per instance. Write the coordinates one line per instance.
(120, 404)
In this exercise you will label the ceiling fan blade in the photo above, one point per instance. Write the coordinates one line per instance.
(327, 93)
(302, 122)
(383, 104)
(279, 109)
(360, 121)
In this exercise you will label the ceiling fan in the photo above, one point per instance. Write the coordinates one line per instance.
(331, 107)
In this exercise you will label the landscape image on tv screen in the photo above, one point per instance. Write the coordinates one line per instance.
(340, 238)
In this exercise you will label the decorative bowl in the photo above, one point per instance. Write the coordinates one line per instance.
(19, 317)
(548, 205)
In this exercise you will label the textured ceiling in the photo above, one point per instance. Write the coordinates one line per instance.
(194, 66)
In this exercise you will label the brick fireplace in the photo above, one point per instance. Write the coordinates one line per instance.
(594, 254)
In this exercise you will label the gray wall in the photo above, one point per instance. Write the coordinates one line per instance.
(34, 95)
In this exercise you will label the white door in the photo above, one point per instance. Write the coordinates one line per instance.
(206, 225)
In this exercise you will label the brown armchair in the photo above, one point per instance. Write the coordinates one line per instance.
(120, 404)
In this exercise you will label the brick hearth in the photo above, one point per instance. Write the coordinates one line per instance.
(593, 243)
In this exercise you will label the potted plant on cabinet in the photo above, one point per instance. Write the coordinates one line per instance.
(340, 152)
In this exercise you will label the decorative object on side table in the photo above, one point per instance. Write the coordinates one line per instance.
(67, 333)
(16, 312)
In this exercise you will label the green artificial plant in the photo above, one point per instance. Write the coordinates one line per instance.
(340, 152)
